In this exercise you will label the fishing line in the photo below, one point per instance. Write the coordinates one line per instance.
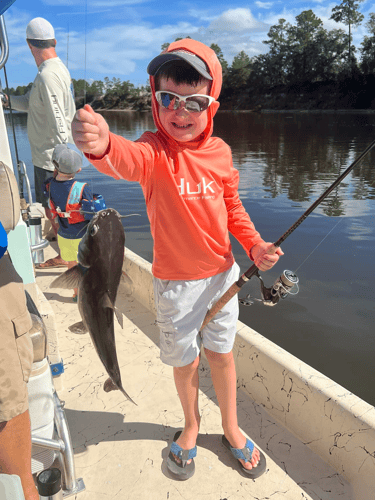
(91, 174)
(84, 83)
(318, 245)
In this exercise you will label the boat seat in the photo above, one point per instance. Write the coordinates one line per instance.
(10, 205)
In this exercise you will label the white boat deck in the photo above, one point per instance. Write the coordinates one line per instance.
(120, 449)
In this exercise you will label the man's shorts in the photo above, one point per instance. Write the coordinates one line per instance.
(68, 248)
(40, 176)
(16, 349)
(181, 308)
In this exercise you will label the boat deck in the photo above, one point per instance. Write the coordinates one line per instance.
(120, 449)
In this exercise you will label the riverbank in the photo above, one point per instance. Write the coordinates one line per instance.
(352, 94)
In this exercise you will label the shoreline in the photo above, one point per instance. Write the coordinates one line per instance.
(280, 111)
(312, 111)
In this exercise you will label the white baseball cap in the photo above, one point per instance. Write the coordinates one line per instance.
(40, 29)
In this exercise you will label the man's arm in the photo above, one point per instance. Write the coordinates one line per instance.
(19, 102)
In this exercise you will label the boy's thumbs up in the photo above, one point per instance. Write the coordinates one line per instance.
(88, 108)
(90, 131)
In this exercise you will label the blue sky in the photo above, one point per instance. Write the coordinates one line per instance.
(117, 38)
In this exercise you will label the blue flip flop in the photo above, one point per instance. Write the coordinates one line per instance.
(246, 453)
(181, 470)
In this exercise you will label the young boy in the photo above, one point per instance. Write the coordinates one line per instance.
(65, 197)
(190, 188)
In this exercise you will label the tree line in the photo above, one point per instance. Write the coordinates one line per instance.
(300, 56)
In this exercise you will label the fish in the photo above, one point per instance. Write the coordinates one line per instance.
(97, 276)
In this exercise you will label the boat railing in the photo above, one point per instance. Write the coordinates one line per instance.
(4, 46)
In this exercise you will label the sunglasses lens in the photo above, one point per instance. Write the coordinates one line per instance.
(197, 104)
(168, 101)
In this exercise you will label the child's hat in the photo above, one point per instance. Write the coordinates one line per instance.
(181, 54)
(40, 29)
(66, 160)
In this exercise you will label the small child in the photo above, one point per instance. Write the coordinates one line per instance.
(191, 192)
(65, 201)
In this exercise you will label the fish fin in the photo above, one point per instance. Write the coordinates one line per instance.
(127, 396)
(70, 279)
(107, 302)
(78, 328)
(119, 317)
(109, 385)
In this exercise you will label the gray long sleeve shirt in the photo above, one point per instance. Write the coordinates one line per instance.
(50, 107)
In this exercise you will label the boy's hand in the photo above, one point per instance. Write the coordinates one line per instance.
(90, 131)
(265, 255)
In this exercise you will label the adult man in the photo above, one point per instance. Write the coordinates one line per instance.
(50, 106)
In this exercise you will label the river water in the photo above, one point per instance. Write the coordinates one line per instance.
(286, 161)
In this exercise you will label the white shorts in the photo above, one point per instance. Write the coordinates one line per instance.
(181, 308)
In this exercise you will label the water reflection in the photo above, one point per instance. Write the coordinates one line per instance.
(302, 154)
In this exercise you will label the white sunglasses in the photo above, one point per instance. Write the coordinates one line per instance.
(195, 102)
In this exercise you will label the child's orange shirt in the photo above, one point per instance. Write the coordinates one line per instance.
(190, 190)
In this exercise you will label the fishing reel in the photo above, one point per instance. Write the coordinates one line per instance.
(282, 287)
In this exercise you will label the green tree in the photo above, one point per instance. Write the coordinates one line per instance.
(314, 53)
(220, 56)
(96, 88)
(305, 50)
(167, 44)
(332, 56)
(368, 47)
(348, 14)
(21, 89)
(278, 55)
(80, 87)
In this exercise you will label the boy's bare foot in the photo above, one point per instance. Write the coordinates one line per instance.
(187, 441)
(50, 263)
(238, 440)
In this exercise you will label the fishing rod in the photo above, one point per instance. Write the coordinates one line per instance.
(288, 279)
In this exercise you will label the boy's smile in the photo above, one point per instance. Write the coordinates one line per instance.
(183, 125)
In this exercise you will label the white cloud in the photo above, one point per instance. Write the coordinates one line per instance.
(264, 5)
(235, 30)
(202, 15)
(236, 21)
(117, 49)
(93, 3)
(123, 49)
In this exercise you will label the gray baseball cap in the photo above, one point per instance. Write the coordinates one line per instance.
(40, 29)
(175, 55)
(66, 160)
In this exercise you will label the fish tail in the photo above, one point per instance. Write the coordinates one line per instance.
(109, 386)
(127, 395)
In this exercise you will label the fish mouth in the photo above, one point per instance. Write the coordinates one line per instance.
(104, 213)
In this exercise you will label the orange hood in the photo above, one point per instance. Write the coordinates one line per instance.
(214, 66)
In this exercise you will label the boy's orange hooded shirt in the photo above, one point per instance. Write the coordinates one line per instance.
(190, 190)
